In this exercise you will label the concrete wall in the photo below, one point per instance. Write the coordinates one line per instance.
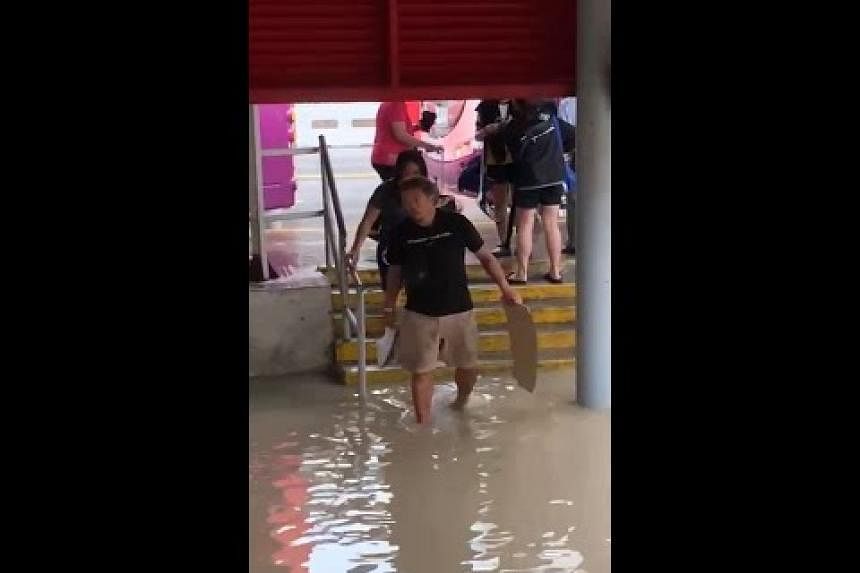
(290, 329)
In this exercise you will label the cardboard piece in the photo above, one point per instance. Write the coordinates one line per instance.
(523, 336)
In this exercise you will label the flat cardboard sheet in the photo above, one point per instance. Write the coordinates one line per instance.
(523, 337)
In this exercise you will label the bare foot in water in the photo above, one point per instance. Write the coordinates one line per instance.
(465, 380)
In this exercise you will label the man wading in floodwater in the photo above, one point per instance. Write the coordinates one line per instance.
(426, 253)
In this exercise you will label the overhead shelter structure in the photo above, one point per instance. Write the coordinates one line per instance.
(401, 50)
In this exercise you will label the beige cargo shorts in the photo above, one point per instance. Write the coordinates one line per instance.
(424, 340)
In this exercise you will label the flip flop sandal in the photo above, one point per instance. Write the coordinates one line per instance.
(552, 279)
(515, 281)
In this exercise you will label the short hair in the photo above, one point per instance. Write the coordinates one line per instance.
(405, 158)
(422, 183)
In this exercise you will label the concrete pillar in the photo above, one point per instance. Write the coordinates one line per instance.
(593, 205)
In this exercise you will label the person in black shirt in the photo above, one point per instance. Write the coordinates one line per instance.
(537, 140)
(426, 253)
(498, 162)
(384, 208)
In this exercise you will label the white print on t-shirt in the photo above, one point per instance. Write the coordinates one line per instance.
(425, 239)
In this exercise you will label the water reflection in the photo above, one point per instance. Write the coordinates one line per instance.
(492, 547)
(356, 493)
(339, 480)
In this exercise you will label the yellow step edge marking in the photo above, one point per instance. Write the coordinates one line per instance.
(347, 351)
(484, 316)
(474, 272)
(480, 294)
(370, 277)
(397, 375)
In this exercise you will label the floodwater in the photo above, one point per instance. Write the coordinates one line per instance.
(517, 482)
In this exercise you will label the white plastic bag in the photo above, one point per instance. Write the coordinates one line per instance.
(300, 277)
(385, 346)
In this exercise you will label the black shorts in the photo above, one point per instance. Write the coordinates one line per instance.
(499, 173)
(386, 172)
(531, 198)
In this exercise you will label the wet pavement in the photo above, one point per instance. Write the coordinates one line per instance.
(516, 482)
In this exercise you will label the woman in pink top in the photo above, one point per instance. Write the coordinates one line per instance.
(394, 133)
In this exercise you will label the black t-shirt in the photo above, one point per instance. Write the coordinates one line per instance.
(386, 198)
(536, 150)
(431, 259)
(489, 112)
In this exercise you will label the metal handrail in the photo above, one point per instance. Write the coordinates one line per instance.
(341, 227)
(353, 323)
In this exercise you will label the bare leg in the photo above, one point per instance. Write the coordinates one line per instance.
(512, 219)
(465, 379)
(570, 219)
(525, 226)
(422, 395)
(549, 216)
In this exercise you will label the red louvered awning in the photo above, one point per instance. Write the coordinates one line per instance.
(376, 50)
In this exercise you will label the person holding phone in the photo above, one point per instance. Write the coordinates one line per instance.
(394, 133)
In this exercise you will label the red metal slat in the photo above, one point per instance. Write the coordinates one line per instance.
(298, 37)
(464, 7)
(373, 92)
(255, 9)
(283, 45)
(393, 44)
(371, 50)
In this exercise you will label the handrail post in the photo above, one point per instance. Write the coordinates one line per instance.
(482, 174)
(339, 262)
(258, 211)
(345, 293)
(362, 343)
(337, 256)
(326, 210)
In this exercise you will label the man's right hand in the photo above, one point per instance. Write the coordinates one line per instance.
(352, 259)
(511, 296)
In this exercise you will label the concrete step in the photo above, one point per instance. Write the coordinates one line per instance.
(482, 294)
(475, 272)
(550, 337)
(348, 374)
(488, 318)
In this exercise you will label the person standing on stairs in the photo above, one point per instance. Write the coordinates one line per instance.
(426, 253)
(567, 112)
(394, 133)
(384, 208)
(537, 140)
(497, 159)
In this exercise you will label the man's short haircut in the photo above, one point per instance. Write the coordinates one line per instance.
(419, 182)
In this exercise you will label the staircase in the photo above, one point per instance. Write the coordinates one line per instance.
(552, 307)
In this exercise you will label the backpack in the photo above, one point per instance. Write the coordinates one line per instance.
(469, 181)
(539, 152)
